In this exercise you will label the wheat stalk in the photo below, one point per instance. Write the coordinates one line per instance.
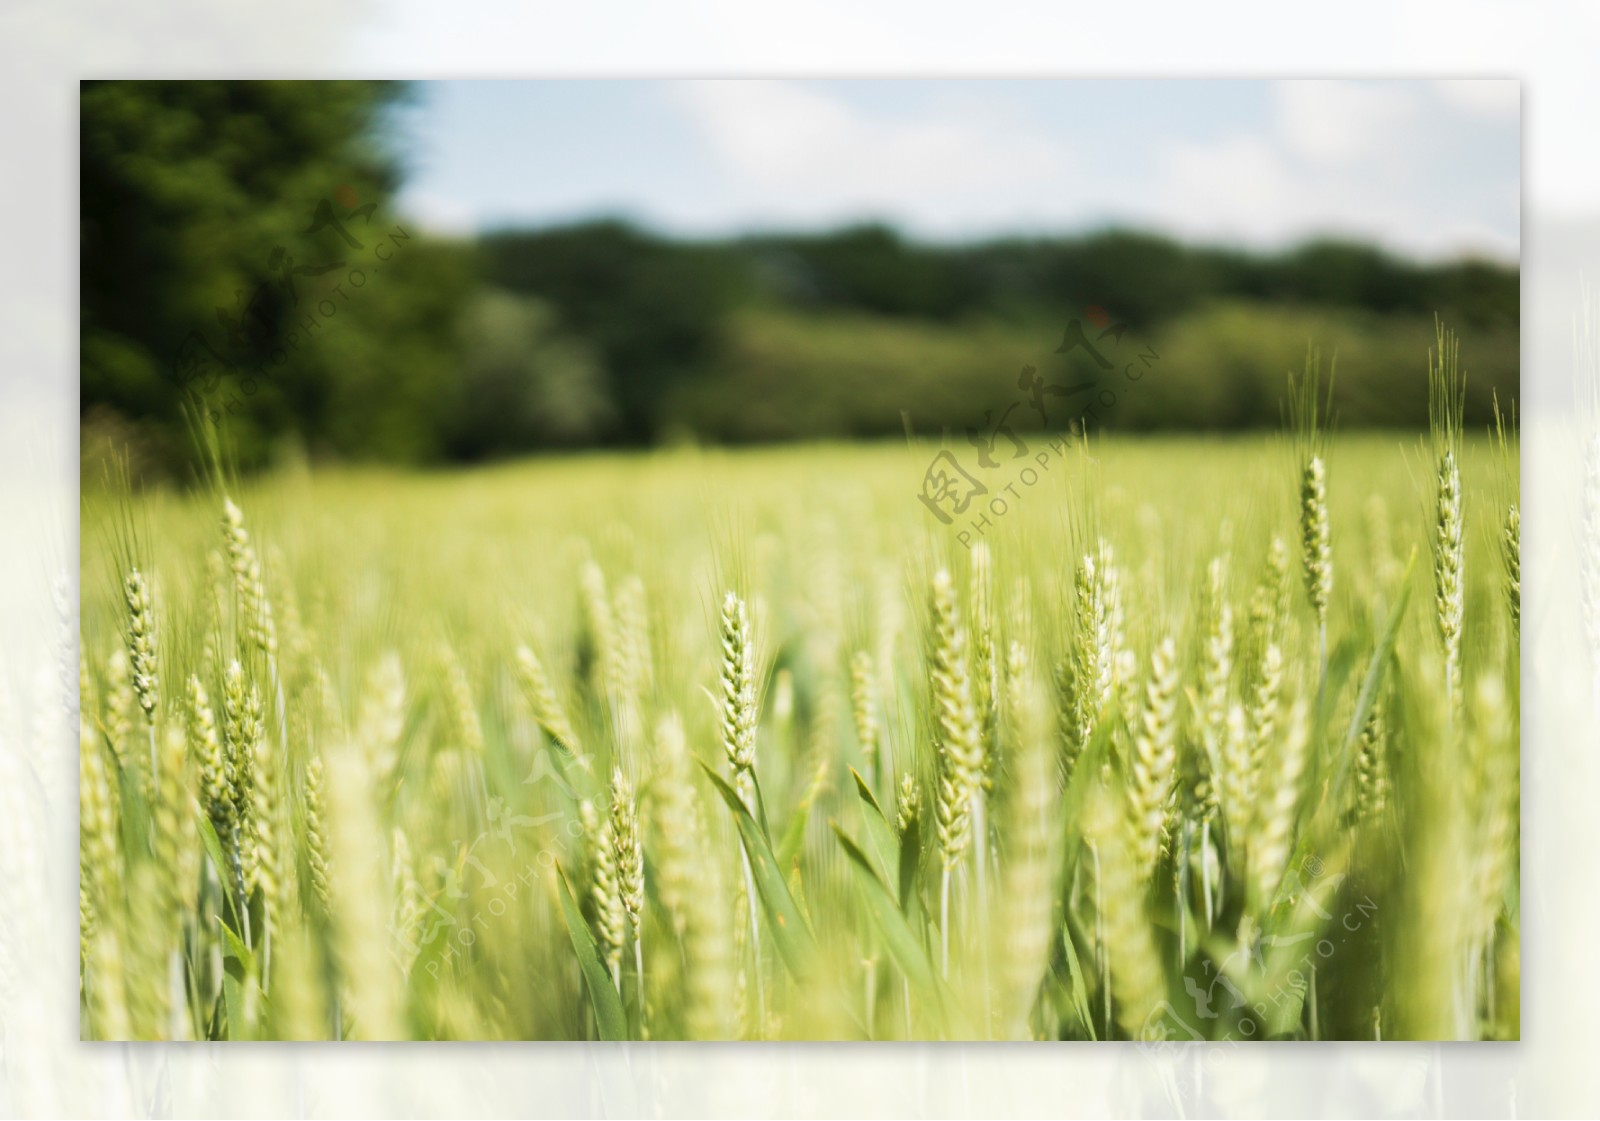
(1262, 712)
(241, 733)
(1216, 657)
(1029, 870)
(358, 894)
(738, 729)
(738, 725)
(908, 803)
(1092, 669)
(1316, 554)
(1310, 412)
(960, 748)
(142, 643)
(628, 861)
(206, 747)
(606, 890)
(1132, 960)
(1371, 765)
(1237, 783)
(119, 703)
(1272, 839)
(1446, 400)
(1153, 760)
(691, 887)
(247, 580)
(317, 854)
(141, 639)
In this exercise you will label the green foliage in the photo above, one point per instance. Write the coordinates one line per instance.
(203, 244)
(609, 1015)
(1221, 367)
(653, 309)
(523, 383)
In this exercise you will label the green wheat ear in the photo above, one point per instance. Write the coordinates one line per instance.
(206, 747)
(1371, 765)
(629, 852)
(317, 858)
(738, 708)
(1153, 760)
(960, 744)
(248, 583)
(628, 862)
(960, 748)
(142, 642)
(1096, 661)
(1446, 404)
(548, 711)
(1133, 958)
(908, 803)
(1272, 838)
(1026, 901)
(611, 918)
(1310, 410)
(241, 736)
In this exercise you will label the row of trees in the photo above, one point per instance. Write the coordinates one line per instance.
(239, 247)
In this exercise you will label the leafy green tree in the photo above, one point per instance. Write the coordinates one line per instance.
(524, 384)
(653, 309)
(217, 219)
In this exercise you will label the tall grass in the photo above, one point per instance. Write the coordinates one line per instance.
(500, 755)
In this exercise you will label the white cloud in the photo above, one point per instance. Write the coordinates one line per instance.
(1337, 123)
(1239, 187)
(1335, 158)
(798, 152)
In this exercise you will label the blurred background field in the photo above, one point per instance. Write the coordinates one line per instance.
(689, 519)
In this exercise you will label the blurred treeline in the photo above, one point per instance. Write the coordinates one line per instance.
(222, 221)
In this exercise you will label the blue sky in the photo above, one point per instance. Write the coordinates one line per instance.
(1426, 168)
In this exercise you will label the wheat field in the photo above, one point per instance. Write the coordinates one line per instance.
(1199, 738)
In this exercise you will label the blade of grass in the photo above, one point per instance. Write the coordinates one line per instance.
(608, 1013)
(789, 930)
(902, 942)
(879, 833)
(1371, 683)
(1079, 991)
